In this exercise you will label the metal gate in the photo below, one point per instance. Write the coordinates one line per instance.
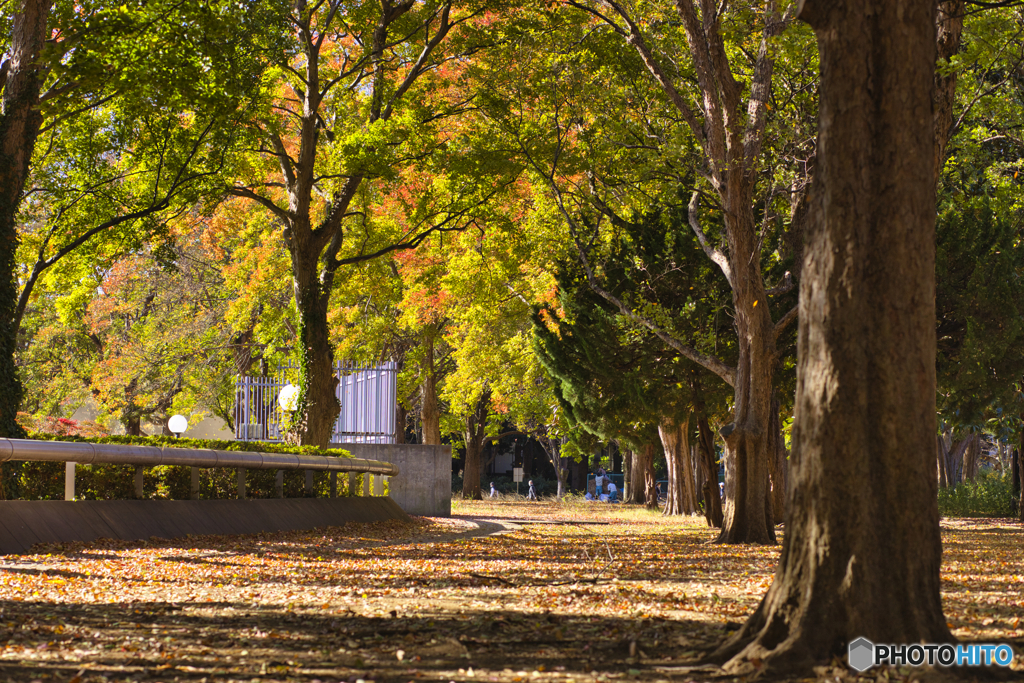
(367, 394)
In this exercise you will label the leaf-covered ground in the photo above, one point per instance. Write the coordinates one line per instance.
(576, 592)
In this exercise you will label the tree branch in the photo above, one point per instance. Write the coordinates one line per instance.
(245, 192)
(785, 320)
(715, 255)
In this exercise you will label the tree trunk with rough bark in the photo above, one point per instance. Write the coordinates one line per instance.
(862, 549)
(642, 477)
(430, 416)
(681, 497)
(712, 494)
(777, 465)
(972, 457)
(951, 454)
(19, 128)
(474, 434)
(940, 457)
(401, 417)
(949, 24)
(318, 407)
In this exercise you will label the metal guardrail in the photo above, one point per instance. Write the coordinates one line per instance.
(151, 456)
(73, 452)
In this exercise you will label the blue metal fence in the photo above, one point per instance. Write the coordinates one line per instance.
(368, 395)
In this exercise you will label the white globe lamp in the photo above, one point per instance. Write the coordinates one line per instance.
(288, 398)
(177, 424)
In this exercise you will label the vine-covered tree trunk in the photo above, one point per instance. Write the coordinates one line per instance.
(862, 549)
(19, 128)
(474, 434)
(681, 498)
(318, 406)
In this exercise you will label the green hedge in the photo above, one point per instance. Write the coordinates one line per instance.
(990, 495)
(45, 480)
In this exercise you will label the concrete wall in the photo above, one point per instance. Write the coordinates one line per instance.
(24, 523)
(424, 482)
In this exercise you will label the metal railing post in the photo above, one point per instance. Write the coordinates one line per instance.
(308, 488)
(334, 484)
(194, 484)
(69, 481)
(366, 483)
(378, 484)
(279, 484)
(139, 480)
(352, 484)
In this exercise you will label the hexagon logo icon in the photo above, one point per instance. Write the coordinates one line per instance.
(861, 655)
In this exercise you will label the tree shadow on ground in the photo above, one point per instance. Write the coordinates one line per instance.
(216, 641)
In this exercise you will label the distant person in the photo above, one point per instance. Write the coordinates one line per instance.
(721, 490)
(494, 491)
(532, 493)
(612, 492)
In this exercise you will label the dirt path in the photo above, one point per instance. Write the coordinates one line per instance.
(497, 593)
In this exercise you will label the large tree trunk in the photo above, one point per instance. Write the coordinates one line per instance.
(474, 435)
(642, 477)
(681, 497)
(317, 407)
(749, 443)
(641, 465)
(862, 548)
(951, 453)
(19, 128)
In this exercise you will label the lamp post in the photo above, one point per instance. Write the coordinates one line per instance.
(287, 400)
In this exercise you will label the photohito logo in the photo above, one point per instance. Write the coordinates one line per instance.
(863, 654)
